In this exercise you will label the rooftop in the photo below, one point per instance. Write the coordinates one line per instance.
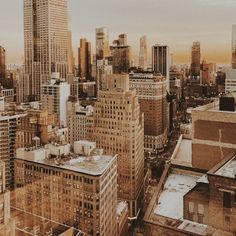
(183, 153)
(228, 169)
(94, 165)
(170, 202)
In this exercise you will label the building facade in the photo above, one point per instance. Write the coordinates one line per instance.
(121, 55)
(152, 96)
(84, 59)
(2, 64)
(80, 190)
(196, 57)
(47, 42)
(161, 61)
(143, 53)
(118, 129)
(54, 98)
(102, 43)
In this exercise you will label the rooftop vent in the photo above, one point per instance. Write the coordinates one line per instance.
(227, 103)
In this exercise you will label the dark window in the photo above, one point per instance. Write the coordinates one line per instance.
(227, 200)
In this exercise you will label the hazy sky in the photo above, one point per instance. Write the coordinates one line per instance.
(176, 23)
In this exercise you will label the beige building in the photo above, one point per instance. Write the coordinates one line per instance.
(79, 120)
(47, 42)
(54, 97)
(118, 129)
(152, 96)
(37, 123)
(77, 189)
(213, 135)
(102, 43)
(7, 225)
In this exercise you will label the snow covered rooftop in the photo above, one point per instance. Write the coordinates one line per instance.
(228, 170)
(170, 202)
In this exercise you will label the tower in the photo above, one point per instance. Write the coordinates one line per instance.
(102, 43)
(47, 42)
(196, 57)
(160, 61)
(143, 53)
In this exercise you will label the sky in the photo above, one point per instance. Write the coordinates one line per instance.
(176, 23)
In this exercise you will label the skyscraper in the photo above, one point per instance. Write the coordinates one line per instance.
(47, 42)
(118, 128)
(84, 59)
(196, 57)
(152, 95)
(2, 64)
(102, 43)
(234, 47)
(121, 54)
(160, 61)
(143, 53)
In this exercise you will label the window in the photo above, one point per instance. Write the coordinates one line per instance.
(226, 200)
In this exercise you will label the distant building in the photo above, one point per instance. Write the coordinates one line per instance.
(22, 88)
(234, 47)
(196, 58)
(102, 43)
(79, 189)
(230, 81)
(55, 96)
(118, 128)
(161, 62)
(152, 96)
(207, 73)
(84, 59)
(2, 64)
(104, 68)
(121, 55)
(143, 53)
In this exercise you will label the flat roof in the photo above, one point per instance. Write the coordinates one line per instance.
(170, 202)
(91, 165)
(183, 153)
(228, 169)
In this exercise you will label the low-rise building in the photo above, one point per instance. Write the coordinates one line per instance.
(77, 189)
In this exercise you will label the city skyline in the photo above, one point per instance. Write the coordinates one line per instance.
(212, 25)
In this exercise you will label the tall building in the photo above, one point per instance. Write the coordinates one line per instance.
(2, 64)
(196, 57)
(7, 225)
(160, 62)
(54, 98)
(152, 96)
(143, 54)
(234, 47)
(78, 189)
(121, 55)
(208, 73)
(118, 129)
(22, 88)
(47, 42)
(102, 43)
(104, 68)
(9, 122)
(84, 59)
